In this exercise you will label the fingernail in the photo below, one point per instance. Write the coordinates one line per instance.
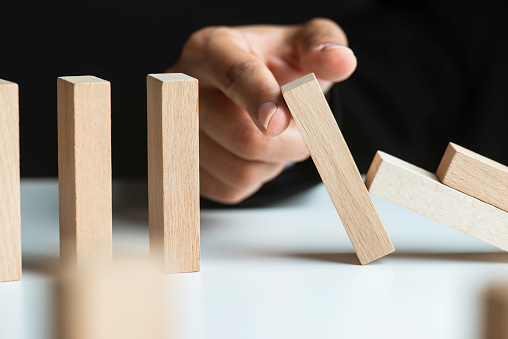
(266, 112)
(326, 47)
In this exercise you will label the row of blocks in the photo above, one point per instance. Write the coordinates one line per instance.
(85, 175)
(469, 192)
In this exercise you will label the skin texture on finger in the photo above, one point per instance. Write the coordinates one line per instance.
(232, 170)
(230, 127)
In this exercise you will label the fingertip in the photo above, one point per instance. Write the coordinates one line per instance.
(331, 62)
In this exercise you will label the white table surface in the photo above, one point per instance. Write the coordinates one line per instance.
(288, 271)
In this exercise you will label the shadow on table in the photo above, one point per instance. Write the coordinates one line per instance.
(351, 258)
(42, 264)
(483, 257)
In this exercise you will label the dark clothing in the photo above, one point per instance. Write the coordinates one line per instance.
(429, 72)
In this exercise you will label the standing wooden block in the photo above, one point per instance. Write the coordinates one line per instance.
(421, 191)
(173, 171)
(84, 165)
(474, 174)
(10, 220)
(337, 168)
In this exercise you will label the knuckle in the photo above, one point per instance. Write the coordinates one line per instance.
(250, 143)
(236, 71)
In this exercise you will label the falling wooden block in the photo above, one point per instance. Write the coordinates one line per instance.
(173, 171)
(124, 300)
(84, 166)
(10, 223)
(475, 175)
(337, 168)
(421, 191)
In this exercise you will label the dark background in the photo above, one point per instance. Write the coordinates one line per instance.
(428, 73)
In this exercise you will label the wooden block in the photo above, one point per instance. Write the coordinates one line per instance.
(421, 191)
(475, 175)
(337, 168)
(10, 223)
(84, 165)
(173, 171)
(495, 315)
(125, 300)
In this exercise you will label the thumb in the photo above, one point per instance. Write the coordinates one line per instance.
(322, 49)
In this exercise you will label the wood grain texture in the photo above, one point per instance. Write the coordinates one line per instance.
(421, 191)
(475, 175)
(173, 171)
(337, 168)
(84, 165)
(10, 219)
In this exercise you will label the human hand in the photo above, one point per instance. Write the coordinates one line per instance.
(247, 135)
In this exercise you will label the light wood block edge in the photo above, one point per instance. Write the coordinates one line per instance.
(10, 217)
(475, 175)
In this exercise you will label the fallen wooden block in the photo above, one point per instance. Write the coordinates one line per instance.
(421, 191)
(475, 175)
(173, 171)
(84, 169)
(10, 223)
(124, 300)
(337, 168)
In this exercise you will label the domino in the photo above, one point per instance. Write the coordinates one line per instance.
(173, 171)
(475, 175)
(337, 168)
(10, 223)
(124, 300)
(84, 170)
(421, 191)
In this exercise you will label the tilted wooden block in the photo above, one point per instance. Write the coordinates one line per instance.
(421, 191)
(173, 171)
(337, 168)
(10, 223)
(475, 175)
(84, 166)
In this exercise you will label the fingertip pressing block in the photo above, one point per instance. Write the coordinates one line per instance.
(421, 191)
(475, 175)
(10, 223)
(84, 170)
(173, 171)
(337, 168)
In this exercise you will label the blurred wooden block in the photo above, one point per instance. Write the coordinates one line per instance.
(337, 168)
(84, 165)
(173, 171)
(475, 175)
(421, 191)
(10, 223)
(495, 315)
(125, 300)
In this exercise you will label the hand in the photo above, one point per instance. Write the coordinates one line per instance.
(246, 132)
